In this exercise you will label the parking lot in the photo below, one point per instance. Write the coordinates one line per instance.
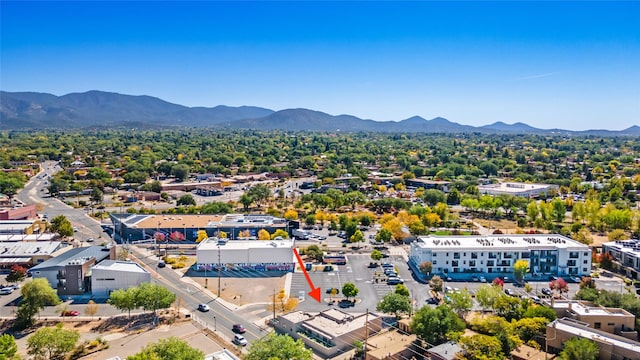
(371, 291)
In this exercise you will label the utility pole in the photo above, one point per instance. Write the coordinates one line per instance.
(274, 304)
(366, 332)
(219, 269)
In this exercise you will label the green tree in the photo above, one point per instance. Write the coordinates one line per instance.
(559, 210)
(259, 193)
(61, 225)
(487, 294)
(579, 349)
(276, 347)
(246, 200)
(376, 255)
(402, 290)
(180, 171)
(314, 252)
(8, 347)
(151, 296)
(434, 325)
(186, 199)
(481, 347)
(384, 235)
(540, 311)
(350, 290)
(520, 269)
(124, 299)
(36, 294)
(394, 303)
(170, 348)
(357, 237)
(460, 302)
(52, 342)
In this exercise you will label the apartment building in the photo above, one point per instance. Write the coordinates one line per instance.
(462, 257)
(627, 254)
(612, 320)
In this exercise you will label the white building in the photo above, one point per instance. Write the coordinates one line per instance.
(111, 275)
(517, 189)
(461, 257)
(259, 255)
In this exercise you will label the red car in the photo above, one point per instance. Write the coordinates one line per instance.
(238, 329)
(70, 313)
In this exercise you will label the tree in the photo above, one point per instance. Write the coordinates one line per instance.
(180, 171)
(246, 200)
(282, 302)
(481, 347)
(486, 295)
(559, 210)
(520, 268)
(62, 226)
(91, 309)
(52, 342)
(606, 261)
(314, 252)
(436, 283)
(124, 299)
(540, 311)
(259, 193)
(579, 349)
(274, 347)
(426, 267)
(8, 347)
(16, 274)
(36, 294)
(357, 237)
(201, 235)
(349, 290)
(376, 255)
(402, 290)
(263, 234)
(559, 285)
(384, 235)
(151, 296)
(434, 325)
(170, 348)
(186, 199)
(394, 303)
(280, 233)
(460, 302)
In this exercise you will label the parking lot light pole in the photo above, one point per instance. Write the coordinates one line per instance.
(215, 324)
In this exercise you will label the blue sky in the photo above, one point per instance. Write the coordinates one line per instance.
(572, 65)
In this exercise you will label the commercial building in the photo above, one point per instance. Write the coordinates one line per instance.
(19, 213)
(26, 226)
(461, 257)
(330, 332)
(28, 254)
(517, 189)
(428, 184)
(612, 347)
(257, 255)
(627, 254)
(184, 228)
(110, 275)
(70, 273)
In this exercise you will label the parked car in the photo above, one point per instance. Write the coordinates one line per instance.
(239, 340)
(393, 280)
(373, 265)
(238, 329)
(345, 304)
(162, 264)
(70, 313)
(475, 278)
(387, 265)
(509, 292)
(90, 240)
(536, 300)
(6, 290)
(203, 307)
(546, 291)
(433, 301)
(483, 279)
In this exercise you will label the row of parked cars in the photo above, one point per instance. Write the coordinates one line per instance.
(8, 289)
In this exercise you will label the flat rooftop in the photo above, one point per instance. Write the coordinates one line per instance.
(212, 244)
(507, 242)
(631, 247)
(182, 221)
(596, 335)
(514, 187)
(582, 309)
(21, 249)
(125, 266)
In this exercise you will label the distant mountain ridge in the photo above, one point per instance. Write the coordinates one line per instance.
(99, 109)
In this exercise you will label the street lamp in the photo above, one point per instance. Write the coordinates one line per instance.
(215, 324)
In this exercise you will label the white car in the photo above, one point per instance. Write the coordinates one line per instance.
(203, 307)
(6, 290)
(239, 340)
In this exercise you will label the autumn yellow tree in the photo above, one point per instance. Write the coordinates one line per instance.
(282, 302)
(202, 235)
(281, 233)
(291, 214)
(264, 235)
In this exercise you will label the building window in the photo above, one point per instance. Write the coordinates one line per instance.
(611, 324)
(456, 255)
(597, 325)
(585, 261)
(474, 255)
(435, 262)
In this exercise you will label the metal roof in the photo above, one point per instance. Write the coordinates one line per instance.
(98, 252)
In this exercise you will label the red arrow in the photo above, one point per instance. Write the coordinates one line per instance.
(315, 292)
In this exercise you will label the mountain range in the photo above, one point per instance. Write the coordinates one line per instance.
(99, 109)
